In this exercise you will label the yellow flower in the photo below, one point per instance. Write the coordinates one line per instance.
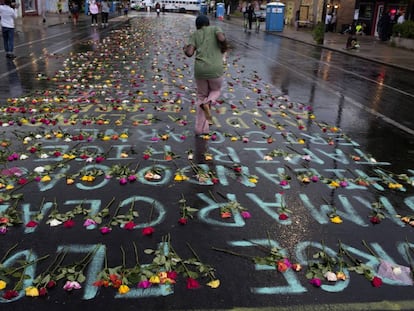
(46, 178)
(155, 279)
(123, 289)
(2, 284)
(394, 186)
(334, 184)
(68, 156)
(253, 180)
(9, 187)
(341, 276)
(32, 291)
(214, 283)
(336, 220)
(233, 138)
(180, 177)
(106, 138)
(123, 135)
(70, 181)
(124, 155)
(301, 141)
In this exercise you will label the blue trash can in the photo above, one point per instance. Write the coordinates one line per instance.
(220, 11)
(275, 16)
(203, 9)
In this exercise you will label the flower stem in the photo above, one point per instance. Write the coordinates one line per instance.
(232, 253)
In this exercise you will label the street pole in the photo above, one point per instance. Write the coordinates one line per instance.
(324, 18)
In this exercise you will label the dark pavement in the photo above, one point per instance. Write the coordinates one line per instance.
(117, 189)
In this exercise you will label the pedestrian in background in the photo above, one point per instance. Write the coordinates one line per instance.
(249, 14)
(333, 22)
(384, 25)
(208, 43)
(297, 18)
(74, 10)
(8, 13)
(104, 12)
(94, 10)
(328, 19)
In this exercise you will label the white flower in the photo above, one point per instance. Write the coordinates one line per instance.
(39, 169)
(267, 158)
(54, 223)
(27, 139)
(44, 156)
(306, 157)
(156, 177)
(373, 160)
(5, 124)
(330, 276)
(396, 270)
(287, 158)
(38, 136)
(190, 156)
(23, 157)
(89, 160)
(67, 139)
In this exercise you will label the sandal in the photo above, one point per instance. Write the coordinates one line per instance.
(207, 111)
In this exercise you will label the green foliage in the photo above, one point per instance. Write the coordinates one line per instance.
(404, 30)
(318, 33)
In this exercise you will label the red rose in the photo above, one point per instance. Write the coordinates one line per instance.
(283, 216)
(129, 225)
(51, 284)
(31, 224)
(182, 221)
(375, 220)
(10, 294)
(69, 223)
(376, 282)
(42, 291)
(192, 283)
(148, 231)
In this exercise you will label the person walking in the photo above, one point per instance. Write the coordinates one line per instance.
(74, 10)
(249, 14)
(208, 43)
(94, 10)
(104, 12)
(8, 13)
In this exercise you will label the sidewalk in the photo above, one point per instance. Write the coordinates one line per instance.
(371, 48)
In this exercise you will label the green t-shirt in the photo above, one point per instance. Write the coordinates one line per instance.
(208, 57)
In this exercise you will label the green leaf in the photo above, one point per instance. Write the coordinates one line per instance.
(81, 278)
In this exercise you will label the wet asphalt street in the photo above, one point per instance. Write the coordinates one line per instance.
(105, 187)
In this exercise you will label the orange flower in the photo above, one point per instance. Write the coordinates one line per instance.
(226, 215)
(282, 266)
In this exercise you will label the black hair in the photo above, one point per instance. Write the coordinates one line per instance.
(201, 21)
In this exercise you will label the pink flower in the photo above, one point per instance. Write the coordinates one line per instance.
(144, 284)
(343, 183)
(3, 230)
(70, 285)
(89, 222)
(148, 231)
(31, 224)
(105, 230)
(146, 156)
(284, 182)
(316, 282)
(129, 225)
(132, 178)
(192, 283)
(183, 221)
(69, 223)
(315, 178)
(245, 214)
(123, 180)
